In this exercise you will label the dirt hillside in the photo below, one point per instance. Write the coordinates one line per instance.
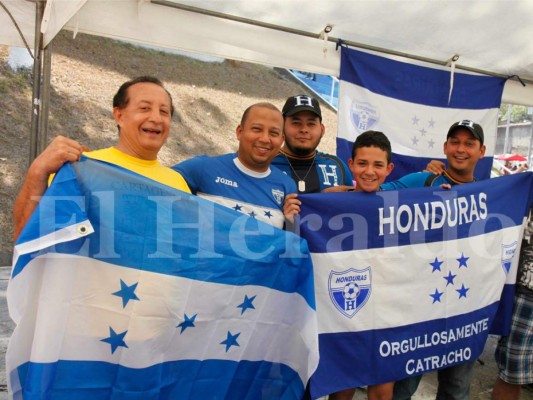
(87, 71)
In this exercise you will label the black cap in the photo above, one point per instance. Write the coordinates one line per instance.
(475, 129)
(302, 102)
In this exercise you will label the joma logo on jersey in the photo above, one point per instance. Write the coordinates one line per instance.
(226, 182)
(349, 290)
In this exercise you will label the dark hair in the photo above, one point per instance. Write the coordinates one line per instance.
(121, 98)
(373, 139)
(263, 105)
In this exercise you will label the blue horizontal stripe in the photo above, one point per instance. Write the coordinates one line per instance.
(354, 222)
(188, 379)
(153, 227)
(417, 84)
(354, 359)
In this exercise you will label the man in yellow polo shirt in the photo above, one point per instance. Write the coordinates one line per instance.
(142, 109)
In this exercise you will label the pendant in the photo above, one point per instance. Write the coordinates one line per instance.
(301, 186)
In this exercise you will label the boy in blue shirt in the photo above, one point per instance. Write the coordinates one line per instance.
(370, 165)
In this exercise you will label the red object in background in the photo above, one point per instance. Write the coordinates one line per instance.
(512, 157)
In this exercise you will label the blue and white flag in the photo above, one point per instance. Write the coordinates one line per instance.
(409, 281)
(412, 105)
(124, 288)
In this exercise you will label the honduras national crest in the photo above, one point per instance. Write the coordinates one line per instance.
(350, 290)
(364, 115)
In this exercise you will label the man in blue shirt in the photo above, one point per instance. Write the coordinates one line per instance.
(463, 149)
(244, 180)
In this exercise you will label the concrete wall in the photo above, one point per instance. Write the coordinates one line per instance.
(520, 136)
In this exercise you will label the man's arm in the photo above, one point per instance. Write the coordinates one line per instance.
(58, 152)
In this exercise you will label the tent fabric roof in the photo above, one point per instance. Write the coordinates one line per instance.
(493, 35)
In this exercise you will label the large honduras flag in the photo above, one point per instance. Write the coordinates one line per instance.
(123, 288)
(412, 105)
(409, 281)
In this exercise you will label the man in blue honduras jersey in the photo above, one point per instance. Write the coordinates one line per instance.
(313, 171)
(244, 180)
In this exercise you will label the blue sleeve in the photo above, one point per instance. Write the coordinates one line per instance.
(348, 178)
(192, 171)
(416, 180)
(280, 163)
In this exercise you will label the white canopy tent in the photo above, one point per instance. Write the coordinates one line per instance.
(492, 36)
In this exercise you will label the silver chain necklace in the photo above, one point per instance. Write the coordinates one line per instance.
(301, 181)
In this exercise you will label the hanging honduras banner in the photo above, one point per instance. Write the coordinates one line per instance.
(409, 281)
(124, 288)
(412, 105)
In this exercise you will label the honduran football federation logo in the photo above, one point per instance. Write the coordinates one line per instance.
(508, 251)
(350, 290)
(278, 195)
(364, 115)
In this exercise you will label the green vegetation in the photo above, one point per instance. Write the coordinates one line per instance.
(518, 113)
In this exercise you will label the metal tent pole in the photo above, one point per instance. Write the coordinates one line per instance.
(36, 93)
(45, 98)
(506, 144)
